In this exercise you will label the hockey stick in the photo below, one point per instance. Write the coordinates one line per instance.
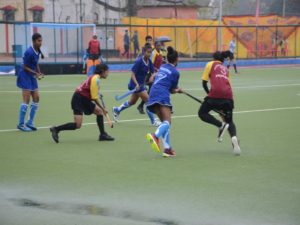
(200, 101)
(106, 114)
(120, 97)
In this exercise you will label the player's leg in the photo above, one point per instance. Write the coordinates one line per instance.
(117, 110)
(33, 109)
(23, 110)
(234, 65)
(204, 115)
(100, 123)
(144, 96)
(228, 108)
(140, 107)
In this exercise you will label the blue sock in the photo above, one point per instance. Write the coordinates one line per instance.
(23, 110)
(33, 108)
(151, 116)
(166, 140)
(125, 105)
(162, 129)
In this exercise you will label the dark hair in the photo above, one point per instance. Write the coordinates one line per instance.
(34, 37)
(172, 55)
(147, 46)
(218, 56)
(100, 68)
(148, 37)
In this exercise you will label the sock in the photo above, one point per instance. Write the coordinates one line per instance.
(234, 66)
(125, 105)
(33, 108)
(66, 126)
(23, 110)
(151, 116)
(162, 129)
(141, 105)
(232, 129)
(100, 124)
(166, 140)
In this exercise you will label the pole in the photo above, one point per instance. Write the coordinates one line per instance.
(25, 11)
(80, 11)
(257, 11)
(220, 24)
(283, 8)
(54, 32)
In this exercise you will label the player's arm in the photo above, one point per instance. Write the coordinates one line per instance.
(174, 88)
(205, 76)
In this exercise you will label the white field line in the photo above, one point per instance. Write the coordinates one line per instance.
(178, 117)
(187, 89)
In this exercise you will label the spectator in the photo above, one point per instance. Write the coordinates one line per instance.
(136, 46)
(126, 44)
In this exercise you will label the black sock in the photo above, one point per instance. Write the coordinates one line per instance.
(234, 66)
(66, 126)
(141, 105)
(232, 129)
(100, 123)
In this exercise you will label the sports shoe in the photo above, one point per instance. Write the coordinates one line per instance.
(222, 130)
(105, 137)
(115, 114)
(156, 123)
(54, 133)
(169, 153)
(141, 109)
(22, 127)
(154, 141)
(236, 146)
(31, 126)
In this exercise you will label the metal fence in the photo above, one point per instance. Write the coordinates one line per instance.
(192, 42)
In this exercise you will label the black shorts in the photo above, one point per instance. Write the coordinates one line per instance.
(231, 56)
(81, 104)
(94, 56)
(224, 105)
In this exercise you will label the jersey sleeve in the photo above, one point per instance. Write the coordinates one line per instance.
(136, 66)
(175, 80)
(94, 87)
(206, 72)
(28, 58)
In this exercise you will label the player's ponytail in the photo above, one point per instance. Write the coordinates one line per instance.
(36, 36)
(219, 56)
(172, 55)
(101, 68)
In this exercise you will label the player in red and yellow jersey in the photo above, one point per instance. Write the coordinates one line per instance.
(219, 97)
(86, 101)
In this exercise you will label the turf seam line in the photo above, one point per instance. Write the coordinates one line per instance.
(177, 117)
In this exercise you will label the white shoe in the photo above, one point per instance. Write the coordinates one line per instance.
(156, 123)
(115, 114)
(222, 131)
(236, 146)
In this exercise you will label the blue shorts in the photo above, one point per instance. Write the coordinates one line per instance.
(27, 81)
(151, 104)
(132, 86)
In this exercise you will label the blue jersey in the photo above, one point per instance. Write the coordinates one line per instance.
(27, 80)
(140, 70)
(166, 79)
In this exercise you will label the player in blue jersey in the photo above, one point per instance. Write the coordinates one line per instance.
(166, 82)
(27, 81)
(140, 69)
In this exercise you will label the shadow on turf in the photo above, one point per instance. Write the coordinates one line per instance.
(90, 209)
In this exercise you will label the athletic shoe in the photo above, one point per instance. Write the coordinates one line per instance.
(154, 141)
(236, 146)
(222, 130)
(169, 153)
(105, 137)
(24, 128)
(54, 133)
(141, 109)
(31, 126)
(115, 114)
(156, 123)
